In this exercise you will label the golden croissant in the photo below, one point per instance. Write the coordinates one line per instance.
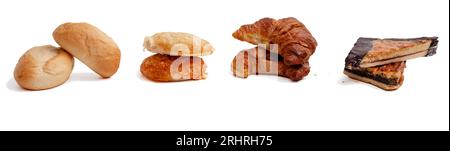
(259, 61)
(295, 42)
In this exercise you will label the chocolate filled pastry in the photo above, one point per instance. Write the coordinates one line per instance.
(381, 62)
(260, 61)
(387, 77)
(369, 52)
(295, 42)
(165, 68)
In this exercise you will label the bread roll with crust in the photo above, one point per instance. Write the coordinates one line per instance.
(43, 67)
(165, 68)
(177, 44)
(90, 45)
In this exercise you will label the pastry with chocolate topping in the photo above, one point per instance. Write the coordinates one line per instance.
(370, 52)
(381, 62)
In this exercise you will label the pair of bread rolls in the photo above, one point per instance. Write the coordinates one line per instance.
(177, 57)
(45, 67)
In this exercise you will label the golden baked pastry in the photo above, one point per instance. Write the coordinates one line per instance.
(259, 61)
(165, 68)
(369, 52)
(295, 42)
(387, 77)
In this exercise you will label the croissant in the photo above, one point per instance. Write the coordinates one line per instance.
(295, 42)
(259, 61)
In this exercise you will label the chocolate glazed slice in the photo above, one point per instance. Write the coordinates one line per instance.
(369, 52)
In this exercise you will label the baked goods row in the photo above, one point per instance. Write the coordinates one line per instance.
(282, 47)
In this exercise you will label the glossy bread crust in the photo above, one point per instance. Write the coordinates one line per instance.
(165, 68)
(259, 61)
(295, 42)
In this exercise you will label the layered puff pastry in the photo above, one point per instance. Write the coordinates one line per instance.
(381, 62)
(295, 42)
(260, 61)
(370, 52)
(288, 42)
(387, 77)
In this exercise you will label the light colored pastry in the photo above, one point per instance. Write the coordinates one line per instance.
(43, 67)
(165, 68)
(90, 45)
(178, 44)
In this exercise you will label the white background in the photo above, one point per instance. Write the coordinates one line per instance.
(324, 100)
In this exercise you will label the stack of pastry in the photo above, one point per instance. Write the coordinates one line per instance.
(177, 58)
(381, 62)
(283, 48)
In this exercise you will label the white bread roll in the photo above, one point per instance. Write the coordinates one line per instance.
(90, 45)
(43, 67)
